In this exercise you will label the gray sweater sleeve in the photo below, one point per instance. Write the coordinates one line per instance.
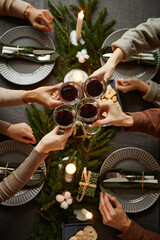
(153, 94)
(144, 37)
(18, 178)
(10, 97)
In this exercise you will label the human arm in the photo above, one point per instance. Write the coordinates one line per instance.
(18, 178)
(41, 95)
(21, 132)
(144, 37)
(108, 68)
(36, 16)
(150, 89)
(22, 9)
(146, 121)
(117, 218)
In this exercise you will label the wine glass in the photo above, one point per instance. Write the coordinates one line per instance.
(64, 116)
(88, 110)
(70, 93)
(95, 87)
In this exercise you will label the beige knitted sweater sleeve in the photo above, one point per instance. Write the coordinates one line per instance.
(13, 8)
(18, 178)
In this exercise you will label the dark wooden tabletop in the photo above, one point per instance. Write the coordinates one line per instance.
(16, 222)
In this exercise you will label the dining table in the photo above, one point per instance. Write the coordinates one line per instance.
(17, 221)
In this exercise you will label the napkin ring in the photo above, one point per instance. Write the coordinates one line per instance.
(17, 51)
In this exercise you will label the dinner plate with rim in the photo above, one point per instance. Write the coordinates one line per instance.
(128, 70)
(132, 200)
(12, 151)
(21, 72)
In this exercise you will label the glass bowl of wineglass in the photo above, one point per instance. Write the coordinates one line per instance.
(64, 116)
(95, 87)
(70, 93)
(88, 110)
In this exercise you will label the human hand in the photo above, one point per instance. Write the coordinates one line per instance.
(47, 96)
(130, 84)
(113, 217)
(52, 141)
(21, 132)
(107, 70)
(36, 16)
(115, 116)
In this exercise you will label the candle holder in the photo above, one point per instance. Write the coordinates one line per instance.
(83, 214)
(73, 38)
(71, 76)
(69, 172)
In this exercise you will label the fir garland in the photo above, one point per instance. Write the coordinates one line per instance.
(86, 152)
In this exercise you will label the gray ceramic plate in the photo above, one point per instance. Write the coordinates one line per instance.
(20, 72)
(132, 200)
(14, 151)
(130, 70)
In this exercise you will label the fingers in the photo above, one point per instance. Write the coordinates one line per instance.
(46, 22)
(114, 200)
(29, 138)
(102, 208)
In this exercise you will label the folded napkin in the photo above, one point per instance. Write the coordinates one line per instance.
(139, 61)
(26, 50)
(131, 183)
(38, 176)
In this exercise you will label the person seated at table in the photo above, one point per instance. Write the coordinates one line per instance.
(22, 132)
(47, 96)
(117, 218)
(18, 178)
(144, 37)
(146, 121)
(149, 89)
(22, 9)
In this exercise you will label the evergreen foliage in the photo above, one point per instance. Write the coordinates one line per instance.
(84, 151)
(93, 33)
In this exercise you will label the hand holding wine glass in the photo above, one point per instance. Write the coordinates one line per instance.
(88, 110)
(70, 93)
(64, 116)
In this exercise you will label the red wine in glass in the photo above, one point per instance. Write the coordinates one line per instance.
(69, 92)
(95, 87)
(88, 111)
(64, 118)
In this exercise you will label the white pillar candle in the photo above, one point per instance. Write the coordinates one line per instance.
(79, 24)
(86, 213)
(70, 170)
(77, 76)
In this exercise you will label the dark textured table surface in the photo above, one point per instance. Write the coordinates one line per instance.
(16, 222)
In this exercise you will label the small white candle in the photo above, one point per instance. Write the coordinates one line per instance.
(70, 170)
(79, 24)
(77, 76)
(86, 213)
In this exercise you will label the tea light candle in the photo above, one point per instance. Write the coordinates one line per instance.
(70, 170)
(79, 24)
(86, 213)
(77, 76)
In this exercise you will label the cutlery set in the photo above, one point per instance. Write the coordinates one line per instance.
(117, 177)
(39, 54)
(144, 56)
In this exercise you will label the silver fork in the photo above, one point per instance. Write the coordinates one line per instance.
(41, 58)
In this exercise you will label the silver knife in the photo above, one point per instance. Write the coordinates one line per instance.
(119, 180)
